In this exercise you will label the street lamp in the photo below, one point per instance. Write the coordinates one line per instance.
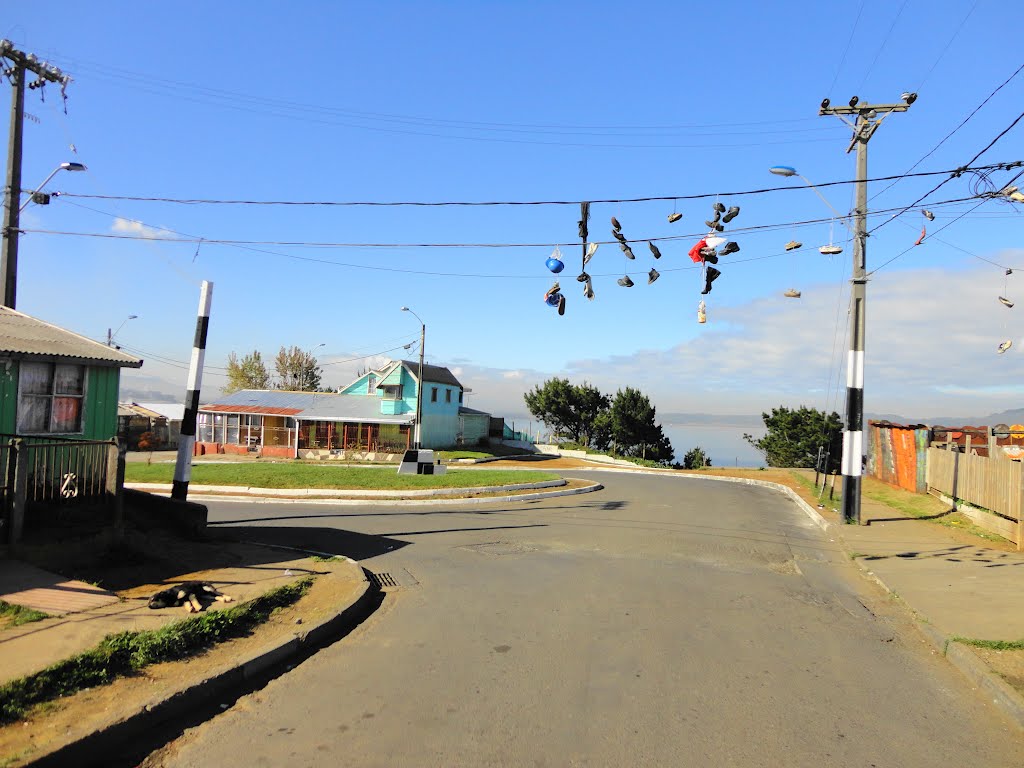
(419, 383)
(110, 336)
(58, 169)
(789, 171)
(12, 211)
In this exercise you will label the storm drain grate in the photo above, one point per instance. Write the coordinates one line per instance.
(382, 580)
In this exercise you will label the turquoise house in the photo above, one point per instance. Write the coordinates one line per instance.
(373, 417)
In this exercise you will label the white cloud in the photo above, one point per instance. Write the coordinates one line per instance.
(136, 228)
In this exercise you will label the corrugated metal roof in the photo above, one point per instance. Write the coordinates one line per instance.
(472, 411)
(309, 406)
(21, 334)
(172, 411)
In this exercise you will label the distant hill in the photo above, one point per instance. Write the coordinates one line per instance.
(1013, 416)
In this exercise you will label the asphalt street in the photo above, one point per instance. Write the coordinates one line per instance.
(663, 621)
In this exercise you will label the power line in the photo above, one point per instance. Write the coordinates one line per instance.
(944, 226)
(957, 173)
(846, 50)
(882, 46)
(950, 134)
(956, 33)
(436, 204)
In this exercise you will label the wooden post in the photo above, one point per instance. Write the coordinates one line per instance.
(20, 490)
(115, 484)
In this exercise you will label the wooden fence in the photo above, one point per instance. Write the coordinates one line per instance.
(995, 484)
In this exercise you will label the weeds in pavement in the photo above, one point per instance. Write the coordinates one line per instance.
(128, 652)
(16, 615)
(992, 645)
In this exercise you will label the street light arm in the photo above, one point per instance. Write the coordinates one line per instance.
(58, 169)
(817, 191)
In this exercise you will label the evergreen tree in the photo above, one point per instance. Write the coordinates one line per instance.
(794, 437)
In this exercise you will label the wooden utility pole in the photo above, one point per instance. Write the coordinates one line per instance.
(867, 118)
(16, 65)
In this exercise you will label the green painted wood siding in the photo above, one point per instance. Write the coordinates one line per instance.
(99, 420)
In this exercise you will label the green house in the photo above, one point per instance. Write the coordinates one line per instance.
(55, 383)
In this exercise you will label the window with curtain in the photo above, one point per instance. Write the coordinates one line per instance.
(51, 397)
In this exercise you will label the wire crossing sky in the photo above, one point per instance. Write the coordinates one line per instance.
(438, 155)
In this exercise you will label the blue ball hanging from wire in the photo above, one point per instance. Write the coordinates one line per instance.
(554, 263)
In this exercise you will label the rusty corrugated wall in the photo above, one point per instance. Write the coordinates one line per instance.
(897, 454)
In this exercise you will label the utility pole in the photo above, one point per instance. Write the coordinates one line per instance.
(16, 67)
(187, 438)
(867, 119)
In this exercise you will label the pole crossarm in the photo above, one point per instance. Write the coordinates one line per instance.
(31, 63)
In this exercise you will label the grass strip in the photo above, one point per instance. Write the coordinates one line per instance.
(17, 615)
(127, 652)
(288, 475)
(992, 645)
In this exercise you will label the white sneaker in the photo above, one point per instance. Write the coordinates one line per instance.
(792, 293)
(830, 250)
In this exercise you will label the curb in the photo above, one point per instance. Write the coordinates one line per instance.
(1003, 695)
(97, 747)
(401, 502)
(345, 493)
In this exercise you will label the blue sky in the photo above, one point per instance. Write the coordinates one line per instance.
(502, 101)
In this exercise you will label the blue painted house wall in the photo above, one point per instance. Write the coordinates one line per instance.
(441, 422)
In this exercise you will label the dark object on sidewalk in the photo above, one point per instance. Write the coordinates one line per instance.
(194, 595)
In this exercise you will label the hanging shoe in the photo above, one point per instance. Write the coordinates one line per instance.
(719, 208)
(674, 217)
(712, 275)
(1005, 302)
(792, 294)
(792, 245)
(731, 247)
(551, 299)
(731, 214)
(561, 303)
(715, 227)
(1005, 346)
(627, 250)
(615, 224)
(653, 275)
(618, 236)
(588, 290)
(928, 215)
(554, 288)
(709, 253)
(1009, 272)
(625, 282)
(583, 278)
(591, 250)
(654, 250)
(830, 250)
(702, 313)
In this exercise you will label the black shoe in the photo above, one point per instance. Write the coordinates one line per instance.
(720, 208)
(731, 247)
(653, 275)
(654, 250)
(625, 282)
(627, 250)
(615, 224)
(732, 213)
(711, 258)
(561, 304)
(618, 236)
(712, 275)
(584, 277)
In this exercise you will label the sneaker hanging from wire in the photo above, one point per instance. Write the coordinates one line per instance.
(1005, 346)
(653, 275)
(625, 282)
(731, 214)
(627, 250)
(591, 250)
(702, 312)
(792, 293)
(674, 217)
(1005, 302)
(654, 250)
(792, 245)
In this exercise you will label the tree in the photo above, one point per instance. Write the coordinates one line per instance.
(297, 370)
(695, 458)
(631, 428)
(570, 410)
(250, 373)
(794, 437)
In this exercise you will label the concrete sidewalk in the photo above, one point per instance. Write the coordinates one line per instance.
(85, 724)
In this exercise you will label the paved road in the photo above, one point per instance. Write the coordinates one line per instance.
(663, 621)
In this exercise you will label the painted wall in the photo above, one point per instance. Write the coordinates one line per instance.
(99, 418)
(474, 428)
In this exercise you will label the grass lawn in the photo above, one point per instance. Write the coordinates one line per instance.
(479, 452)
(321, 476)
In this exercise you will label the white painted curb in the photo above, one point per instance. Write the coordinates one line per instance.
(300, 492)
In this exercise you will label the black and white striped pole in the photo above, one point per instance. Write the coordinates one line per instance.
(187, 441)
(868, 117)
